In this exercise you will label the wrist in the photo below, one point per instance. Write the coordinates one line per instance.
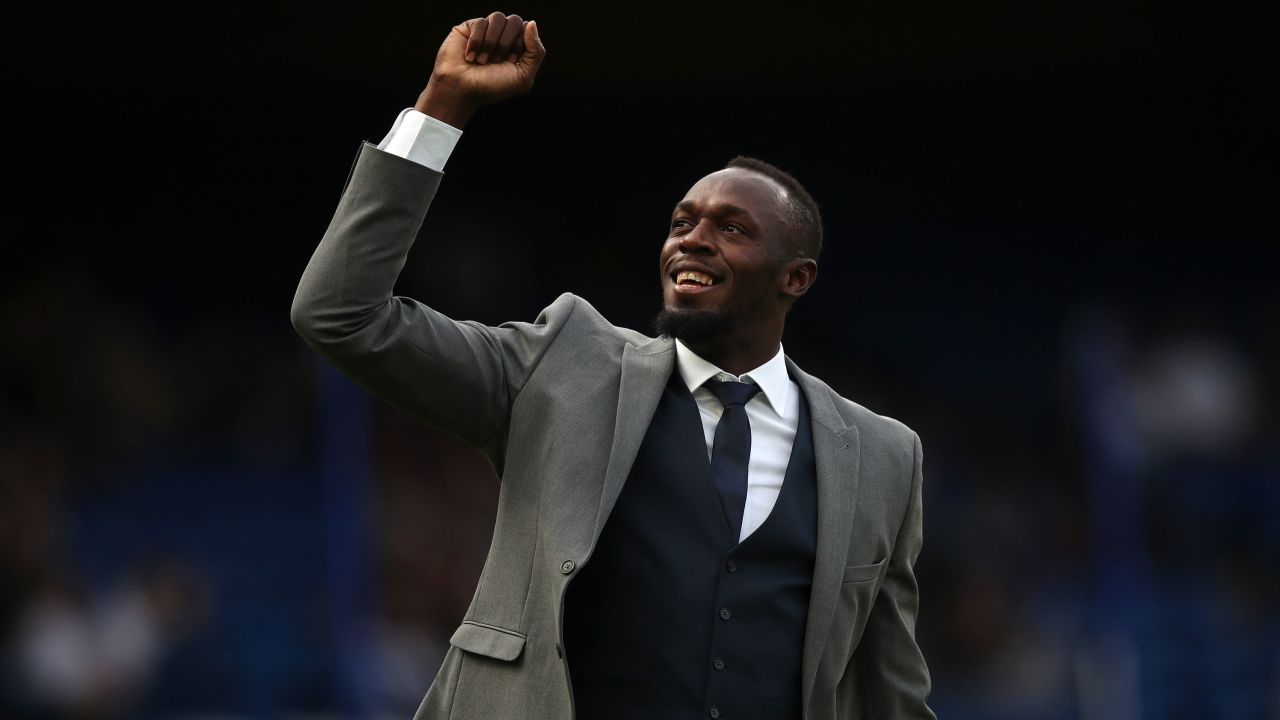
(443, 104)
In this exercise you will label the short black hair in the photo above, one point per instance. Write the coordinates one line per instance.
(803, 215)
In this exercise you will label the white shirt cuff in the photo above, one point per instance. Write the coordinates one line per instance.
(422, 139)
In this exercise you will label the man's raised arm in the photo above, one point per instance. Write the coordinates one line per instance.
(457, 376)
(482, 61)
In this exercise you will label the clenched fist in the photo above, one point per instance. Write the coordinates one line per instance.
(481, 61)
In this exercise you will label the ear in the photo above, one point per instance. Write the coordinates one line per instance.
(797, 276)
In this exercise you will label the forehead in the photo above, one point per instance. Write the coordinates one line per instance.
(764, 199)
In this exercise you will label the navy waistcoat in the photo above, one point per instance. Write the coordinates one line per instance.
(672, 618)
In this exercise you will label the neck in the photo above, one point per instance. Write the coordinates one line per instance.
(736, 353)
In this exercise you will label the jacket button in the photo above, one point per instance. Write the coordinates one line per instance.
(714, 712)
(718, 664)
(724, 613)
(567, 567)
(733, 566)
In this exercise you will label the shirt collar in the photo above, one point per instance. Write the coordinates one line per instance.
(771, 376)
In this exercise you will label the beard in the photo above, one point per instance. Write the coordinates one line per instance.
(693, 324)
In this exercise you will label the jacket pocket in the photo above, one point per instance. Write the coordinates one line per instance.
(863, 573)
(488, 640)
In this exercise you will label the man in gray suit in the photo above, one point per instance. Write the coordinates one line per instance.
(689, 526)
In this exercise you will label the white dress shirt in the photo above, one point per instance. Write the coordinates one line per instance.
(774, 415)
(422, 139)
(774, 412)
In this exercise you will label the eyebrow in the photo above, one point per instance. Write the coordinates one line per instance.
(691, 207)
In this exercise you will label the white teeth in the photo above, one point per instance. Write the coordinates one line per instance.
(693, 276)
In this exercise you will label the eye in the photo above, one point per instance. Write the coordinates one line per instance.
(680, 223)
(732, 228)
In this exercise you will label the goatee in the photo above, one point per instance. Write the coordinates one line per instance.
(692, 323)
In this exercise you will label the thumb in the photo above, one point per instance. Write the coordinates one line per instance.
(534, 52)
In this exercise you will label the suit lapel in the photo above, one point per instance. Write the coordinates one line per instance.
(645, 371)
(835, 451)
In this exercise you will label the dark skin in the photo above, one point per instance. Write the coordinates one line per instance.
(482, 60)
(730, 228)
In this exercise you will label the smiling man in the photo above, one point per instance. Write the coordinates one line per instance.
(689, 526)
(743, 245)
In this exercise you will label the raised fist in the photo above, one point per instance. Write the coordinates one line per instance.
(481, 61)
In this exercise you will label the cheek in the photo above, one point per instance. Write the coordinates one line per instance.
(755, 272)
(669, 250)
(665, 253)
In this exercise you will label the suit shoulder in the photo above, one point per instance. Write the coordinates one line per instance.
(874, 427)
(586, 318)
(582, 320)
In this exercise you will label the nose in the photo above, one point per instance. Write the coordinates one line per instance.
(698, 240)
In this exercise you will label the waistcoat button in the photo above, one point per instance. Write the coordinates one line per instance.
(724, 613)
(714, 712)
(718, 664)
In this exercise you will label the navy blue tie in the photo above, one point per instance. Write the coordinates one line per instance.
(731, 450)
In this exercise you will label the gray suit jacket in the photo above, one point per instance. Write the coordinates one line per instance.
(559, 406)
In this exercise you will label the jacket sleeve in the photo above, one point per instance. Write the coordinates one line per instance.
(460, 377)
(894, 680)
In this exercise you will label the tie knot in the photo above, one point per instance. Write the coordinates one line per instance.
(732, 392)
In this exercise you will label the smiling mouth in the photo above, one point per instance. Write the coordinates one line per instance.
(693, 281)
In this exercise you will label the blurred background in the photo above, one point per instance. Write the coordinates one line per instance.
(1048, 234)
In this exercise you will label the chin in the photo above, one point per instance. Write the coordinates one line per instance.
(684, 304)
(692, 323)
(688, 301)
